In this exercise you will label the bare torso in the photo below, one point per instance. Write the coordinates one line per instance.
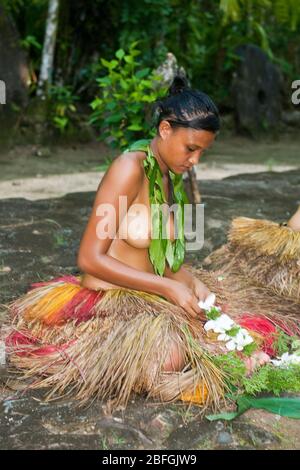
(133, 237)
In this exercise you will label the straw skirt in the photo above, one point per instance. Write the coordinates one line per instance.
(106, 345)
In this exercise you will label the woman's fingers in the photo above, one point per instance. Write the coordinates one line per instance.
(192, 312)
(195, 310)
(258, 358)
(250, 364)
(200, 313)
(261, 357)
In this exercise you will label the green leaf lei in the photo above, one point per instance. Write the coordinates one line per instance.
(161, 248)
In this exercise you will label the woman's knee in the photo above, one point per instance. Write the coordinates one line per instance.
(175, 359)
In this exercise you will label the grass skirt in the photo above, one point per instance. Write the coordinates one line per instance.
(107, 344)
(264, 253)
(91, 344)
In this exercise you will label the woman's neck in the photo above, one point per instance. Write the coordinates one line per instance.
(158, 158)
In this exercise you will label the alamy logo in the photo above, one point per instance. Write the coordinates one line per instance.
(2, 92)
(296, 94)
(136, 223)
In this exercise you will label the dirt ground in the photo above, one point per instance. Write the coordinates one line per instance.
(36, 172)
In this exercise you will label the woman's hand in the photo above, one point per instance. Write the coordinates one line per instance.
(183, 296)
(200, 290)
(258, 358)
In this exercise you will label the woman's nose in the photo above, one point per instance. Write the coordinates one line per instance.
(195, 159)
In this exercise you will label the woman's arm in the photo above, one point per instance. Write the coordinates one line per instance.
(185, 277)
(182, 275)
(123, 178)
(294, 221)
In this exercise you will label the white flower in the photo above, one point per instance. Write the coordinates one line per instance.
(224, 323)
(239, 341)
(243, 337)
(220, 324)
(231, 345)
(244, 331)
(275, 362)
(223, 337)
(210, 325)
(208, 303)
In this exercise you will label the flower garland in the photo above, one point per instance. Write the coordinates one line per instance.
(234, 336)
(161, 248)
(278, 376)
(238, 338)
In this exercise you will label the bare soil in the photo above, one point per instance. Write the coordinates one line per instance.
(36, 172)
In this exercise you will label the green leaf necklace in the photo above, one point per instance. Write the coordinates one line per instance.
(161, 248)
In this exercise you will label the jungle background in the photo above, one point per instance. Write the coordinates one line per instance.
(81, 76)
(77, 82)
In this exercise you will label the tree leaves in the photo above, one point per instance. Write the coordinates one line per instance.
(126, 90)
(283, 406)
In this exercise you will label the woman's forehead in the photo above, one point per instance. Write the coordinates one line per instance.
(196, 137)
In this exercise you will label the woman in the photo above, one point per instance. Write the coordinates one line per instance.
(131, 322)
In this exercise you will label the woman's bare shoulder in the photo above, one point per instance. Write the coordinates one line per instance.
(130, 163)
(135, 156)
(125, 168)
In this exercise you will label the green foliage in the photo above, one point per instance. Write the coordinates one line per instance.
(29, 18)
(119, 110)
(62, 107)
(272, 25)
(233, 331)
(283, 342)
(232, 365)
(203, 35)
(213, 313)
(267, 378)
(30, 41)
(283, 406)
(250, 348)
(273, 379)
(283, 11)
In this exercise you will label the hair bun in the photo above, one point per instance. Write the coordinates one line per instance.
(178, 85)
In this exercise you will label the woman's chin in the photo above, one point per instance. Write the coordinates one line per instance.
(179, 170)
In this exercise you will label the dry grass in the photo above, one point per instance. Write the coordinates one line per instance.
(120, 350)
(262, 254)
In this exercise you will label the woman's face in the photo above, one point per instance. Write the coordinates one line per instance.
(181, 148)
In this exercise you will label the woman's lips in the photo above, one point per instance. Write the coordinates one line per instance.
(187, 167)
(184, 168)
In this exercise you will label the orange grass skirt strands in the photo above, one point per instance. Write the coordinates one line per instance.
(264, 253)
(55, 302)
(198, 395)
(107, 344)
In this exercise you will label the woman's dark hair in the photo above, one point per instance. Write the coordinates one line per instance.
(186, 107)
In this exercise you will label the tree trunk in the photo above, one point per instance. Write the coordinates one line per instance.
(191, 186)
(196, 196)
(45, 77)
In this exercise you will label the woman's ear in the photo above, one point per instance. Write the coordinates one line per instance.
(164, 129)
